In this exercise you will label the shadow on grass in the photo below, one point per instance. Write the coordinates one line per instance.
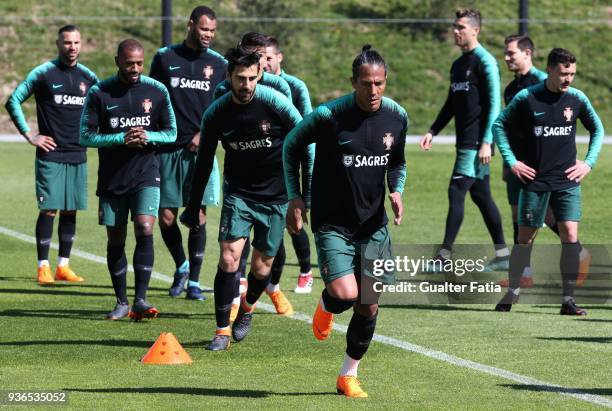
(545, 388)
(209, 392)
(603, 340)
(436, 307)
(102, 343)
(95, 315)
(53, 290)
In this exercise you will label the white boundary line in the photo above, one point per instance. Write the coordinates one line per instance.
(437, 355)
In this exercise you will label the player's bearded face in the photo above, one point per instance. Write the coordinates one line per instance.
(69, 45)
(370, 86)
(202, 32)
(243, 81)
(561, 77)
(130, 64)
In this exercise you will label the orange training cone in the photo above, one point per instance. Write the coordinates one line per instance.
(166, 350)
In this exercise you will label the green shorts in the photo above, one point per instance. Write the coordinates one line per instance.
(513, 188)
(61, 186)
(339, 256)
(565, 205)
(113, 212)
(467, 164)
(268, 223)
(176, 170)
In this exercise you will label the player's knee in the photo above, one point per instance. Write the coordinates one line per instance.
(167, 218)
(228, 262)
(343, 293)
(366, 310)
(50, 213)
(143, 227)
(202, 215)
(68, 213)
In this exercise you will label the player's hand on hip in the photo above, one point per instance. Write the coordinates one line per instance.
(578, 171)
(484, 154)
(397, 206)
(194, 143)
(426, 141)
(523, 172)
(43, 142)
(296, 215)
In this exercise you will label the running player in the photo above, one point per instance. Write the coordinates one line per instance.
(359, 139)
(546, 164)
(518, 56)
(127, 116)
(301, 245)
(473, 99)
(256, 42)
(59, 87)
(251, 122)
(190, 71)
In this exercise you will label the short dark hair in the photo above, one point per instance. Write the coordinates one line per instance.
(523, 42)
(472, 14)
(367, 56)
(560, 56)
(128, 44)
(240, 56)
(253, 40)
(200, 11)
(271, 41)
(67, 28)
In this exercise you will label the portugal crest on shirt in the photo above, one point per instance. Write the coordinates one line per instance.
(147, 105)
(347, 160)
(265, 127)
(537, 130)
(208, 72)
(388, 141)
(114, 122)
(83, 88)
(568, 113)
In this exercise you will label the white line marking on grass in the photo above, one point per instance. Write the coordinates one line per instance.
(437, 355)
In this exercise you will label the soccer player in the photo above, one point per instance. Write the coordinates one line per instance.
(126, 117)
(473, 99)
(190, 71)
(256, 42)
(59, 87)
(251, 122)
(359, 139)
(546, 164)
(301, 245)
(518, 55)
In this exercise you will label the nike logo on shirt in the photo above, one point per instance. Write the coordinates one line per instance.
(111, 107)
(341, 143)
(57, 86)
(536, 114)
(172, 68)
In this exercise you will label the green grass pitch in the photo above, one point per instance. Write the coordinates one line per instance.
(55, 338)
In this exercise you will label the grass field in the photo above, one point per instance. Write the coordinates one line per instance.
(55, 338)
